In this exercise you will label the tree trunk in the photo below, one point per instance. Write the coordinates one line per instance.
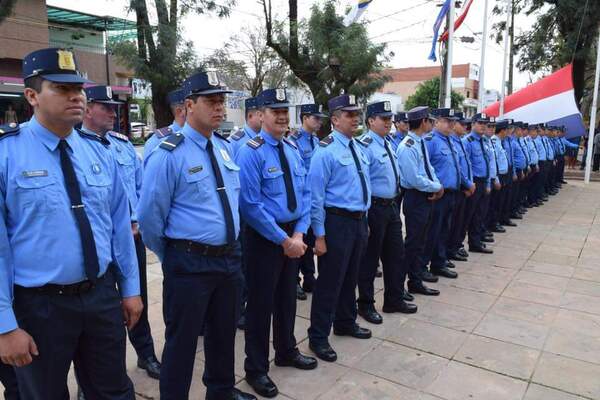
(579, 65)
(511, 54)
(162, 111)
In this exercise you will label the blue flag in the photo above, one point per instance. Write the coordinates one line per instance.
(437, 26)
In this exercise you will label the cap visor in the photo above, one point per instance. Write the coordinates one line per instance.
(209, 92)
(352, 108)
(383, 114)
(107, 101)
(278, 105)
(320, 115)
(65, 78)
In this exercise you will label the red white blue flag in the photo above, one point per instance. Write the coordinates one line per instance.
(356, 12)
(550, 100)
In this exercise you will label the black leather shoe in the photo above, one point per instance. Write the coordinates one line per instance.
(263, 385)
(370, 314)
(498, 229)
(378, 273)
(457, 257)
(450, 264)
(324, 352)
(508, 223)
(408, 297)
(480, 249)
(237, 394)
(516, 216)
(308, 285)
(428, 277)
(300, 295)
(424, 290)
(564, 182)
(462, 252)
(151, 365)
(242, 322)
(445, 272)
(487, 239)
(299, 361)
(357, 332)
(401, 307)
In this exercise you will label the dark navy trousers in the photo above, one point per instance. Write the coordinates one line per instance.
(385, 243)
(334, 298)
(475, 212)
(439, 231)
(417, 211)
(85, 329)
(457, 225)
(271, 282)
(8, 378)
(307, 261)
(200, 292)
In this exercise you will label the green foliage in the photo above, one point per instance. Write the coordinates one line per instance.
(428, 93)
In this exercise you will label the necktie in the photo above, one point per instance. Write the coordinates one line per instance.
(495, 157)
(229, 226)
(426, 160)
(88, 244)
(363, 183)
(462, 146)
(287, 178)
(455, 162)
(389, 152)
(487, 163)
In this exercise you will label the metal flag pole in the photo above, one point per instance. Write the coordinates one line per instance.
(505, 63)
(448, 101)
(590, 146)
(482, 64)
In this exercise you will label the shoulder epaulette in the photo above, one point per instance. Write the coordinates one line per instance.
(290, 142)
(222, 136)
(93, 136)
(237, 136)
(163, 132)
(7, 130)
(365, 140)
(256, 142)
(326, 141)
(295, 135)
(172, 142)
(119, 136)
(409, 142)
(470, 138)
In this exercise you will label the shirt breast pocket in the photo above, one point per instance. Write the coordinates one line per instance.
(273, 182)
(39, 195)
(233, 174)
(97, 191)
(200, 183)
(300, 174)
(345, 161)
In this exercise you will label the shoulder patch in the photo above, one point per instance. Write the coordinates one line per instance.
(163, 132)
(172, 141)
(11, 129)
(222, 136)
(326, 141)
(119, 136)
(290, 142)
(256, 142)
(409, 142)
(365, 140)
(93, 136)
(237, 136)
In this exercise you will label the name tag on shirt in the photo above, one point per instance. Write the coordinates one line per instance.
(273, 169)
(195, 170)
(34, 174)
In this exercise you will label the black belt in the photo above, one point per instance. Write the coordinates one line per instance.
(202, 249)
(380, 201)
(476, 178)
(346, 213)
(73, 289)
(415, 191)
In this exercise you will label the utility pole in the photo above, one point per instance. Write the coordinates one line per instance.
(511, 54)
(590, 147)
(444, 57)
(504, 64)
(449, 58)
(482, 63)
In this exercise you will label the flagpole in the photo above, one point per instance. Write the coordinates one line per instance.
(448, 102)
(482, 64)
(590, 147)
(504, 65)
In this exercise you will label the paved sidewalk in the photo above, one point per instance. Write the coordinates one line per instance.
(523, 323)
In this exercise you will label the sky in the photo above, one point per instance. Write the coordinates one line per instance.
(405, 25)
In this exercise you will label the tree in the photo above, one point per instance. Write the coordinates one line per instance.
(247, 63)
(564, 31)
(427, 94)
(324, 54)
(160, 56)
(6, 8)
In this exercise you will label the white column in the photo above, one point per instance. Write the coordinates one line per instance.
(505, 63)
(482, 63)
(590, 148)
(448, 101)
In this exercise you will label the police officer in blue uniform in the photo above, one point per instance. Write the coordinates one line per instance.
(250, 129)
(401, 125)
(341, 196)
(421, 188)
(445, 161)
(188, 217)
(307, 141)
(487, 236)
(564, 145)
(540, 147)
(385, 226)
(275, 203)
(533, 199)
(508, 145)
(175, 99)
(479, 157)
(59, 300)
(502, 165)
(454, 248)
(520, 166)
(99, 119)
(551, 162)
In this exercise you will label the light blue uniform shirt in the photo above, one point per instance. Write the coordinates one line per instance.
(466, 170)
(549, 148)
(518, 154)
(334, 179)
(155, 139)
(491, 156)
(477, 154)
(263, 197)
(444, 159)
(130, 168)
(533, 153)
(412, 159)
(541, 148)
(179, 196)
(501, 156)
(239, 139)
(396, 138)
(39, 236)
(381, 172)
(307, 144)
(567, 144)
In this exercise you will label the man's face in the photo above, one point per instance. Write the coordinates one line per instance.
(533, 133)
(518, 132)
(459, 129)
(63, 103)
(490, 130)
(253, 120)
(479, 127)
(311, 123)
(275, 121)
(178, 111)
(207, 112)
(346, 122)
(444, 125)
(100, 116)
(401, 126)
(380, 125)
